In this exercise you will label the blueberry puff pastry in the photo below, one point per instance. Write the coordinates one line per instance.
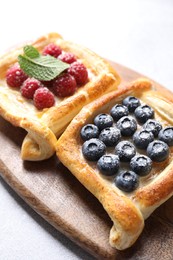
(130, 187)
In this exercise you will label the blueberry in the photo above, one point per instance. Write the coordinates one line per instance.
(108, 164)
(141, 164)
(166, 135)
(89, 131)
(127, 125)
(143, 113)
(125, 150)
(143, 138)
(93, 149)
(158, 151)
(153, 126)
(131, 103)
(110, 136)
(119, 111)
(103, 120)
(127, 181)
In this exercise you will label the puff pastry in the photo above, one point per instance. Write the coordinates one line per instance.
(127, 210)
(44, 127)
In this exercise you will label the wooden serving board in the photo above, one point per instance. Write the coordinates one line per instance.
(54, 193)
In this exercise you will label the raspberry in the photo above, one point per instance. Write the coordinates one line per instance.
(64, 85)
(29, 87)
(15, 76)
(52, 49)
(43, 98)
(79, 72)
(67, 57)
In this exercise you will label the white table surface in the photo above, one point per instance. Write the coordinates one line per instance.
(137, 34)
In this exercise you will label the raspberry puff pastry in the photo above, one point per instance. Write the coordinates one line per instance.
(130, 182)
(45, 126)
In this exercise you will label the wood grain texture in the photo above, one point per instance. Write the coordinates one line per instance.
(53, 192)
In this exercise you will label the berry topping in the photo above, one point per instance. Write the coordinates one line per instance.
(158, 151)
(127, 125)
(143, 113)
(103, 120)
(89, 131)
(166, 135)
(15, 76)
(125, 150)
(52, 49)
(125, 161)
(79, 72)
(153, 126)
(29, 87)
(108, 164)
(43, 98)
(64, 85)
(127, 181)
(67, 57)
(141, 165)
(110, 136)
(119, 111)
(131, 103)
(143, 138)
(93, 149)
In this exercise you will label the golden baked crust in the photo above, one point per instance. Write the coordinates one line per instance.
(43, 127)
(127, 211)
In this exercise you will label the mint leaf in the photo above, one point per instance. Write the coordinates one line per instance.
(40, 67)
(31, 52)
